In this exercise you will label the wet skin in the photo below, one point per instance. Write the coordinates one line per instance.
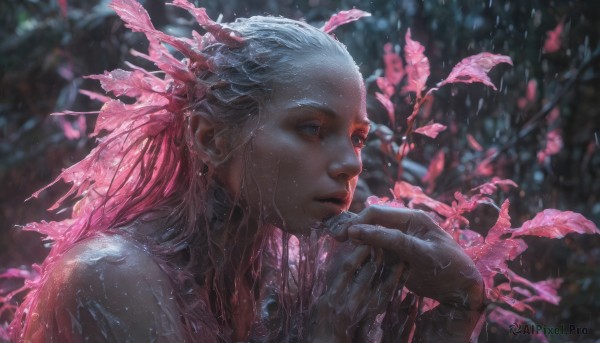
(302, 168)
(304, 159)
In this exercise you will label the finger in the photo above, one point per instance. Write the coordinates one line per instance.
(404, 219)
(405, 246)
(337, 226)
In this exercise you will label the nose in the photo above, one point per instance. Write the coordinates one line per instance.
(346, 163)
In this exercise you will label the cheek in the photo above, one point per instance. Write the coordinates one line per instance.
(278, 171)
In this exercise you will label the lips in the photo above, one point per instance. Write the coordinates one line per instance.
(340, 199)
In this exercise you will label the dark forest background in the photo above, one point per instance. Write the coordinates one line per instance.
(47, 46)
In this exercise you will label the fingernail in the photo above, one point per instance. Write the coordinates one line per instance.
(337, 223)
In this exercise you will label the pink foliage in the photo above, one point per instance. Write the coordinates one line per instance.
(473, 143)
(71, 132)
(8, 293)
(374, 200)
(556, 224)
(343, 17)
(416, 197)
(431, 130)
(491, 187)
(530, 95)
(502, 225)
(547, 290)
(485, 168)
(95, 96)
(394, 68)
(417, 66)
(386, 86)
(63, 7)
(436, 166)
(553, 115)
(554, 144)
(221, 33)
(475, 69)
(130, 83)
(502, 243)
(553, 39)
(389, 106)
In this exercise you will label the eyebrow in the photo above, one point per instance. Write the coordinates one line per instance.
(326, 110)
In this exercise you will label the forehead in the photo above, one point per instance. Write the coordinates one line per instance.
(331, 80)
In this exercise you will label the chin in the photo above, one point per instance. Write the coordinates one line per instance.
(299, 227)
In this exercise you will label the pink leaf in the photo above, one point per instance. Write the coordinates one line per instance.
(546, 290)
(467, 204)
(499, 294)
(220, 32)
(431, 130)
(490, 258)
(553, 40)
(167, 63)
(502, 225)
(468, 238)
(386, 87)
(394, 69)
(531, 95)
(435, 169)
(343, 17)
(133, 14)
(389, 106)
(417, 66)
(374, 200)
(556, 224)
(405, 190)
(473, 143)
(485, 168)
(491, 187)
(129, 83)
(475, 69)
(95, 96)
(554, 144)
(137, 19)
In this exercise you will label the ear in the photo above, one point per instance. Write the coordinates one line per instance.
(209, 145)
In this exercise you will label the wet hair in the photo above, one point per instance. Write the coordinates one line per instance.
(239, 80)
(147, 166)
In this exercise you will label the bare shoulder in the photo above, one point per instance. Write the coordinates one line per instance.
(106, 288)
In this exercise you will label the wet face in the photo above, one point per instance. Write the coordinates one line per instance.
(303, 162)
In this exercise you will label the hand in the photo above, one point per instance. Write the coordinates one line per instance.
(358, 287)
(439, 268)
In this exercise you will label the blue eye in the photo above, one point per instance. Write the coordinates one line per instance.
(311, 130)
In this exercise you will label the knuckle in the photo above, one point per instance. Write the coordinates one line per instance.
(372, 211)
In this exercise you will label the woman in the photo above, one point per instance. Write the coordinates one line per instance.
(213, 208)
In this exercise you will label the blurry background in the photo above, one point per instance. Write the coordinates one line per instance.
(47, 46)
